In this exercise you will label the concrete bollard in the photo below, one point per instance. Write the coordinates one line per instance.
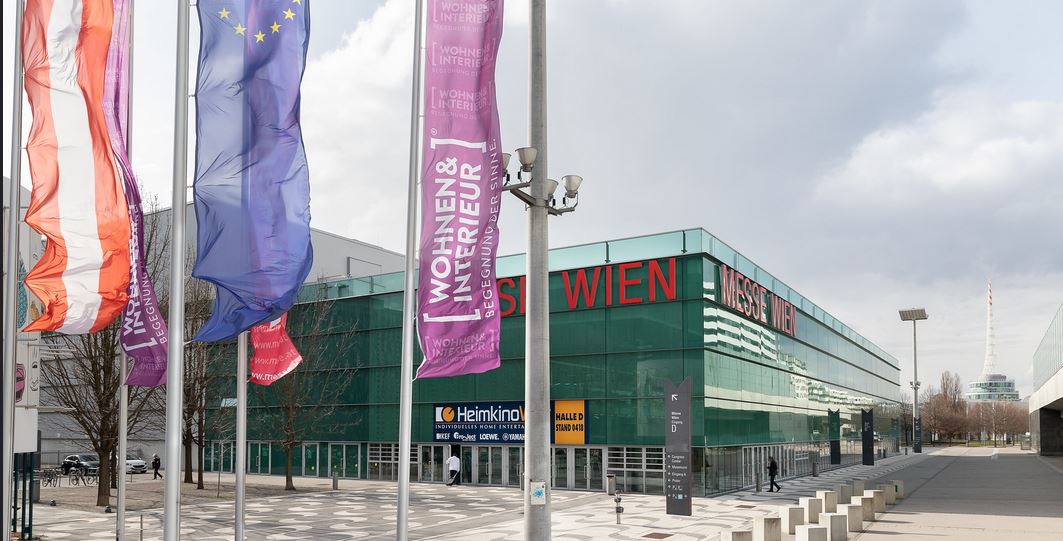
(767, 528)
(736, 534)
(830, 500)
(858, 487)
(890, 493)
(836, 525)
(811, 532)
(854, 514)
(812, 508)
(899, 486)
(845, 493)
(878, 498)
(867, 504)
(335, 480)
(792, 516)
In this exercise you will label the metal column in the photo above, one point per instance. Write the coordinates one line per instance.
(537, 344)
(240, 465)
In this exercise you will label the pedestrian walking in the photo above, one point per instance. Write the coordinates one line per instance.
(773, 470)
(454, 465)
(156, 463)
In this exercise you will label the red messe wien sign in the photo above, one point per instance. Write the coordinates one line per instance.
(635, 282)
(745, 296)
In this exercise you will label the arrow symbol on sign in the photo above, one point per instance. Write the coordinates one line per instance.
(675, 397)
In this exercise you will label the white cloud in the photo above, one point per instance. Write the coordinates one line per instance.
(969, 142)
(356, 119)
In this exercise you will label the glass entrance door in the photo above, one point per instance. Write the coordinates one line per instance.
(432, 462)
(587, 468)
(489, 465)
(559, 458)
(514, 466)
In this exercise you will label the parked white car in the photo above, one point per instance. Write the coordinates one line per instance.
(134, 464)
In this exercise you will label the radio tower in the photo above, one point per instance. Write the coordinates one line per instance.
(990, 366)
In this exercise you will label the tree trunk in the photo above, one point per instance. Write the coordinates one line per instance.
(199, 453)
(288, 484)
(188, 455)
(103, 488)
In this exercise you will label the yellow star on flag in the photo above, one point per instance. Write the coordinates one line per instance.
(260, 36)
(240, 29)
(288, 14)
(300, 2)
(276, 27)
(224, 13)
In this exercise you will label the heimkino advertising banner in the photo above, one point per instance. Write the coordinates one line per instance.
(503, 422)
(461, 190)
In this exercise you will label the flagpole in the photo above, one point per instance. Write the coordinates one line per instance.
(123, 390)
(175, 366)
(409, 311)
(11, 270)
(240, 467)
(120, 460)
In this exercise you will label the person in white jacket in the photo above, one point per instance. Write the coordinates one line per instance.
(454, 465)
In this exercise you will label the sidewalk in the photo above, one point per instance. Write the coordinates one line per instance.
(977, 494)
(366, 510)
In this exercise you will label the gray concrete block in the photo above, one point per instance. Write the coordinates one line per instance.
(854, 514)
(836, 524)
(830, 500)
(890, 493)
(899, 486)
(736, 534)
(812, 508)
(845, 493)
(879, 499)
(792, 516)
(812, 532)
(867, 503)
(858, 487)
(767, 528)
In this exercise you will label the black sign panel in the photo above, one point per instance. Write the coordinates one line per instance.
(918, 435)
(677, 447)
(834, 431)
(867, 432)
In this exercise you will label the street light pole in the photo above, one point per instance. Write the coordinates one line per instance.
(917, 432)
(537, 346)
(915, 315)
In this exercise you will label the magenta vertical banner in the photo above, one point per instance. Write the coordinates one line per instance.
(143, 334)
(461, 190)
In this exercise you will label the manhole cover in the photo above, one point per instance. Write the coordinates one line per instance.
(657, 535)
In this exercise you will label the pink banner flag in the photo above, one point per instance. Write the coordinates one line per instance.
(275, 354)
(461, 190)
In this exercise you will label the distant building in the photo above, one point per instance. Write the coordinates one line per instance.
(991, 385)
(1046, 402)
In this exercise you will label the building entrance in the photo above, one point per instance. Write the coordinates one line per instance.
(579, 468)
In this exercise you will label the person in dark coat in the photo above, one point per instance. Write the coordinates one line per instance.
(156, 463)
(773, 470)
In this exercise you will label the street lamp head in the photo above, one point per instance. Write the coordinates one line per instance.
(526, 155)
(913, 314)
(551, 187)
(572, 184)
(505, 160)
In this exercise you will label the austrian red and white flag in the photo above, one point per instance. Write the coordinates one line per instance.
(275, 354)
(77, 203)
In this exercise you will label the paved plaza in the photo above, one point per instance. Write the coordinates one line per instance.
(957, 493)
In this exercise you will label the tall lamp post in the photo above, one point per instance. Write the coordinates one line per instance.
(914, 315)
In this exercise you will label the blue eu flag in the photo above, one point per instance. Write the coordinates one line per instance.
(252, 189)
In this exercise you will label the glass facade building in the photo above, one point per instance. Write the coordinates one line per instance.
(766, 364)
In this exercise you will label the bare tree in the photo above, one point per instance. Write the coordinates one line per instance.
(301, 400)
(83, 378)
(907, 422)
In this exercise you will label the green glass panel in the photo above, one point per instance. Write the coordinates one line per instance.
(503, 383)
(648, 326)
(643, 374)
(579, 332)
(577, 377)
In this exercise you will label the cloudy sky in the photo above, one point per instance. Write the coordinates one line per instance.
(873, 155)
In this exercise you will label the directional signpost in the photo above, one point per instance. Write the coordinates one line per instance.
(677, 447)
(867, 433)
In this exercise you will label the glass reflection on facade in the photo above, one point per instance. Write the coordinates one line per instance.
(625, 315)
